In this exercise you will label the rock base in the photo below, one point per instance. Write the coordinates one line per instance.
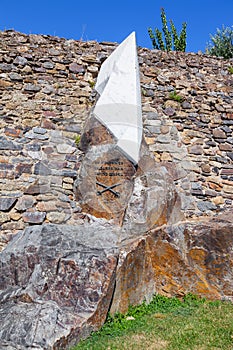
(173, 260)
(58, 282)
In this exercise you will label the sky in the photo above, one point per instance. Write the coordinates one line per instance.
(114, 20)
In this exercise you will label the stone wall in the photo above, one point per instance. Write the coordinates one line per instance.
(46, 87)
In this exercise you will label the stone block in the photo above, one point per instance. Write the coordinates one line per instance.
(225, 147)
(205, 206)
(76, 68)
(12, 132)
(23, 168)
(37, 188)
(56, 217)
(34, 217)
(32, 88)
(25, 202)
(65, 148)
(4, 217)
(6, 203)
(195, 149)
(219, 134)
(228, 188)
(6, 144)
(42, 169)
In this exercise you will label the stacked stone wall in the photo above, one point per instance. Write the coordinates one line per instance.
(47, 92)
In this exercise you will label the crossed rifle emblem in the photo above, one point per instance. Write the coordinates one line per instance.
(108, 188)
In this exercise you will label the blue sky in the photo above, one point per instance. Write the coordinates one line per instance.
(113, 20)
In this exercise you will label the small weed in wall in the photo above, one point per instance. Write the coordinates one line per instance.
(174, 96)
(77, 140)
(91, 83)
(230, 69)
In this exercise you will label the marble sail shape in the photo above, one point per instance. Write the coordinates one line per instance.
(119, 105)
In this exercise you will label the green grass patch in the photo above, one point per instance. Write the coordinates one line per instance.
(167, 324)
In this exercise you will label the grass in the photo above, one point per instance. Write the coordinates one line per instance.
(167, 324)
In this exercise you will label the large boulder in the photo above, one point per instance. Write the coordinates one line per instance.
(56, 284)
(154, 200)
(174, 260)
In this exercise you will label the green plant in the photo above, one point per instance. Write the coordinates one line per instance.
(230, 69)
(77, 140)
(172, 40)
(91, 83)
(174, 96)
(167, 323)
(222, 43)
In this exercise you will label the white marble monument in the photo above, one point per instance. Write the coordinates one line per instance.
(112, 137)
(119, 105)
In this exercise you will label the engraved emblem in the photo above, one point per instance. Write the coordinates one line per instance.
(108, 188)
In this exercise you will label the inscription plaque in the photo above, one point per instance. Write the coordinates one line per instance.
(106, 183)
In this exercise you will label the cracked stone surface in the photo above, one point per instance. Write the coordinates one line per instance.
(173, 260)
(56, 285)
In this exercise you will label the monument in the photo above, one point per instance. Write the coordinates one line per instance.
(118, 178)
(112, 136)
(59, 281)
